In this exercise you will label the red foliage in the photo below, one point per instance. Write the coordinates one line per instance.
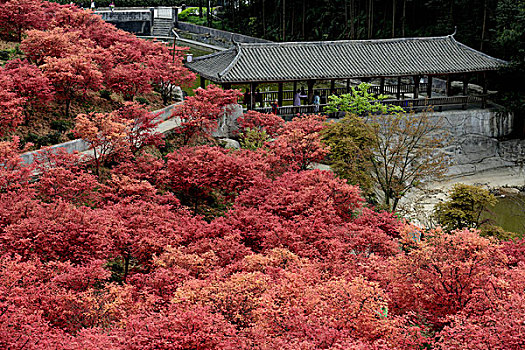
(302, 194)
(57, 232)
(11, 106)
(199, 114)
(180, 328)
(129, 79)
(141, 126)
(167, 70)
(14, 175)
(198, 171)
(253, 120)
(72, 75)
(62, 175)
(444, 273)
(299, 143)
(29, 83)
(56, 43)
(17, 16)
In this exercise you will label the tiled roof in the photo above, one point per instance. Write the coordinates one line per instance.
(342, 59)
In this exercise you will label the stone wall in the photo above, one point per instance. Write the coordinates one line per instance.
(139, 22)
(473, 139)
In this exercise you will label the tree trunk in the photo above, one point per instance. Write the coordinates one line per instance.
(393, 18)
(68, 104)
(304, 19)
(126, 267)
(483, 28)
(370, 26)
(264, 18)
(352, 19)
(346, 19)
(404, 18)
(284, 20)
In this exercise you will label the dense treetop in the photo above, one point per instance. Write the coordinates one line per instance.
(174, 242)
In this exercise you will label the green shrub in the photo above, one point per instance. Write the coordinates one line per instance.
(61, 125)
(43, 140)
(190, 11)
(4, 55)
(105, 94)
(142, 100)
(252, 139)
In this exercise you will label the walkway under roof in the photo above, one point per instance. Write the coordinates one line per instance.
(324, 60)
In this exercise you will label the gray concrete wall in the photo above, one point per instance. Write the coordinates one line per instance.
(80, 145)
(134, 21)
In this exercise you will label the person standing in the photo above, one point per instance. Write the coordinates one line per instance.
(111, 6)
(92, 7)
(248, 99)
(258, 98)
(275, 107)
(323, 100)
(316, 102)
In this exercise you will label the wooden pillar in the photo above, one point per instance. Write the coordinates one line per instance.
(429, 86)
(382, 86)
(310, 91)
(332, 86)
(203, 83)
(347, 86)
(294, 87)
(466, 78)
(398, 91)
(485, 90)
(252, 95)
(280, 95)
(416, 86)
(449, 86)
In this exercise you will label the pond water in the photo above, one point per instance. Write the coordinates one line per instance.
(509, 213)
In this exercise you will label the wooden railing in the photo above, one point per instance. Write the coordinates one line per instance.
(270, 96)
(407, 104)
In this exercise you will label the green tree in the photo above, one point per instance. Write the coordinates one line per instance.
(465, 207)
(406, 153)
(510, 29)
(360, 102)
(351, 142)
(395, 149)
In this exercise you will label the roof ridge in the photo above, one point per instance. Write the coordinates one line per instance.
(290, 43)
(465, 47)
(213, 54)
(232, 63)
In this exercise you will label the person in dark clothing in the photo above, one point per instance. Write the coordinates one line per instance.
(322, 100)
(275, 107)
(259, 97)
(248, 99)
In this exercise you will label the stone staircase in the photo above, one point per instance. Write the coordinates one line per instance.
(162, 27)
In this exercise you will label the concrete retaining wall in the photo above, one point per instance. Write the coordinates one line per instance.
(216, 36)
(134, 21)
(80, 145)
